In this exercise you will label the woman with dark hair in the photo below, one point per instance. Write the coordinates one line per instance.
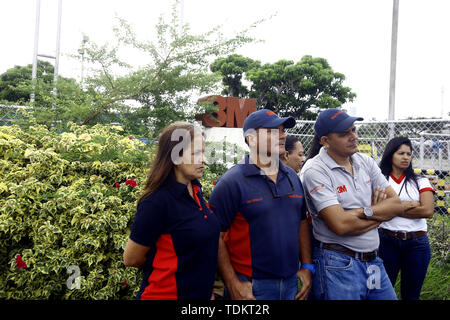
(314, 148)
(175, 236)
(403, 240)
(294, 156)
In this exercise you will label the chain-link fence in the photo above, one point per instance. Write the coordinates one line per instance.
(8, 114)
(430, 139)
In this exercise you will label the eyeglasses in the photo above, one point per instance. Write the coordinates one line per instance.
(276, 196)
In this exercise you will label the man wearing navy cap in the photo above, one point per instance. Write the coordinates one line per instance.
(347, 197)
(261, 208)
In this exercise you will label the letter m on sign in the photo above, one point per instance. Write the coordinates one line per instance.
(341, 189)
(238, 110)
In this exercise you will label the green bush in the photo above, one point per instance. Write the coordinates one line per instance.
(60, 207)
(67, 202)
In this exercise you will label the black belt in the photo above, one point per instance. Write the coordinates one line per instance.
(403, 235)
(363, 256)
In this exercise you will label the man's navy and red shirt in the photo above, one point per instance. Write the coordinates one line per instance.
(261, 219)
(183, 236)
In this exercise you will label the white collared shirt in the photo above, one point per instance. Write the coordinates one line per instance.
(408, 192)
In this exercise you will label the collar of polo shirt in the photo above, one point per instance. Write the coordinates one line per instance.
(251, 169)
(178, 188)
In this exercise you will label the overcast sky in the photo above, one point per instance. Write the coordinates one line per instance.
(353, 35)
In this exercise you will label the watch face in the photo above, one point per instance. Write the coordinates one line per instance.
(368, 212)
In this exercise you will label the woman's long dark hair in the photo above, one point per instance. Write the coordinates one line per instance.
(163, 166)
(386, 161)
(314, 148)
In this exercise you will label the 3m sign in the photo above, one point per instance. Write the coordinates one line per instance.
(231, 112)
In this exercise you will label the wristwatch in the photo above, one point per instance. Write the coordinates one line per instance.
(368, 212)
(310, 267)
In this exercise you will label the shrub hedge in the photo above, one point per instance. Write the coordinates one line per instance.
(67, 202)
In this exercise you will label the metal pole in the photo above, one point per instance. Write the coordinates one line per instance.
(393, 68)
(448, 151)
(58, 41)
(35, 53)
(393, 60)
(422, 151)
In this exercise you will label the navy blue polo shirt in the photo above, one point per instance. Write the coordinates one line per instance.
(183, 236)
(261, 219)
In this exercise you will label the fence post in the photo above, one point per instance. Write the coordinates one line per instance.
(440, 158)
(448, 151)
(422, 142)
(391, 127)
(373, 150)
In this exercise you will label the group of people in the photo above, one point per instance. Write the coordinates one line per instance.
(337, 226)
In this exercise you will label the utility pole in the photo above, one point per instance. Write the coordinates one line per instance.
(58, 42)
(81, 51)
(393, 67)
(36, 45)
(36, 49)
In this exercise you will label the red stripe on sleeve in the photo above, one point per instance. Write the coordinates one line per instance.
(427, 189)
(162, 284)
(237, 240)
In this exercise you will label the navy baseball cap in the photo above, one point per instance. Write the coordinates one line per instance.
(333, 120)
(266, 119)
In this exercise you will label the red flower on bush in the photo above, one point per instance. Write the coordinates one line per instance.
(131, 182)
(125, 283)
(20, 264)
(214, 182)
(131, 138)
(116, 185)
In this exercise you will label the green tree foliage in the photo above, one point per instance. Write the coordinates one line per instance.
(16, 85)
(176, 69)
(299, 89)
(232, 69)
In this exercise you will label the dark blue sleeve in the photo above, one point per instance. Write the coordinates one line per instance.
(148, 222)
(225, 203)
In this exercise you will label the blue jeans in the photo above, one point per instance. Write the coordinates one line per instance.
(411, 257)
(341, 277)
(270, 289)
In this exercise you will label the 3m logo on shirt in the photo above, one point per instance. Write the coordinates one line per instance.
(341, 189)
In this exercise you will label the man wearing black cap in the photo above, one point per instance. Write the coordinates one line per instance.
(348, 197)
(261, 207)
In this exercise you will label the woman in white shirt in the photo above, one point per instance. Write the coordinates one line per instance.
(403, 240)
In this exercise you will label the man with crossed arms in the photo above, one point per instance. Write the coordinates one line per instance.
(348, 197)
